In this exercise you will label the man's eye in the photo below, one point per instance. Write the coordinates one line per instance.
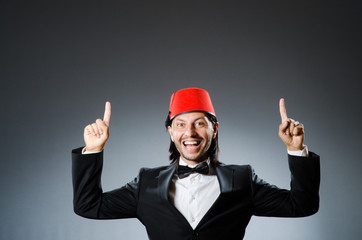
(200, 124)
(180, 125)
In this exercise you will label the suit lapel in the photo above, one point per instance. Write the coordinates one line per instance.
(225, 177)
(164, 180)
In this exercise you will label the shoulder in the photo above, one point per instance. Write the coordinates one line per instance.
(241, 172)
(236, 167)
(156, 170)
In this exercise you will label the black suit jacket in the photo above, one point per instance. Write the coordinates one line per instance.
(243, 194)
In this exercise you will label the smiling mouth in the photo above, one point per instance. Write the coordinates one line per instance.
(191, 144)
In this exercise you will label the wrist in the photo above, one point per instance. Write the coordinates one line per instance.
(292, 148)
(92, 150)
(84, 151)
(301, 153)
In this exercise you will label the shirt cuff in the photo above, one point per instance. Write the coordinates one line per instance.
(302, 153)
(84, 151)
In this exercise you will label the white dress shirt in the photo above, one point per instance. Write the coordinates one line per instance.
(194, 195)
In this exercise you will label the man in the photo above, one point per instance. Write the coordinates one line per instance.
(196, 196)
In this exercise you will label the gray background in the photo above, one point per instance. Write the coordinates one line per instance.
(61, 60)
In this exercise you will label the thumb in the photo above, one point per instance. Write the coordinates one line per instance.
(283, 126)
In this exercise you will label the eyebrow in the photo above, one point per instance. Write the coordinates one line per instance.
(180, 119)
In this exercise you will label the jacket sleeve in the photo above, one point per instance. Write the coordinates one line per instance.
(301, 200)
(88, 198)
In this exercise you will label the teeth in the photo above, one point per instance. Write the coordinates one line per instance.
(193, 142)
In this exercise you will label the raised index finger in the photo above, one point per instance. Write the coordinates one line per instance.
(283, 111)
(107, 113)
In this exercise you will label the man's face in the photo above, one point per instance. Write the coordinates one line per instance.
(192, 134)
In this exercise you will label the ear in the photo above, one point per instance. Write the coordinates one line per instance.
(170, 132)
(216, 127)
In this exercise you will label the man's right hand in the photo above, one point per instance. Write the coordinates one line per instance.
(96, 134)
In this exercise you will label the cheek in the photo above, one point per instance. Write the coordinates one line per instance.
(171, 136)
(175, 136)
(211, 134)
(170, 132)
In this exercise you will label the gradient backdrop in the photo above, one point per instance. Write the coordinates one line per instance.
(61, 60)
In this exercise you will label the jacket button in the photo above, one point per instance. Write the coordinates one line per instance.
(195, 236)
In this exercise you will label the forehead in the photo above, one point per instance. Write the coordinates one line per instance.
(191, 116)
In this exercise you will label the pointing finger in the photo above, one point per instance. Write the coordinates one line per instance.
(107, 113)
(283, 111)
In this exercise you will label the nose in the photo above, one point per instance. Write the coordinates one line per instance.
(190, 131)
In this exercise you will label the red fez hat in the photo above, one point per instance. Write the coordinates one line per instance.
(190, 100)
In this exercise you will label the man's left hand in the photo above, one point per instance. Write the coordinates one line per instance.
(290, 131)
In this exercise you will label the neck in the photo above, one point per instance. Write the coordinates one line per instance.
(194, 162)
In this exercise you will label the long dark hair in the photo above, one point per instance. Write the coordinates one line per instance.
(212, 153)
